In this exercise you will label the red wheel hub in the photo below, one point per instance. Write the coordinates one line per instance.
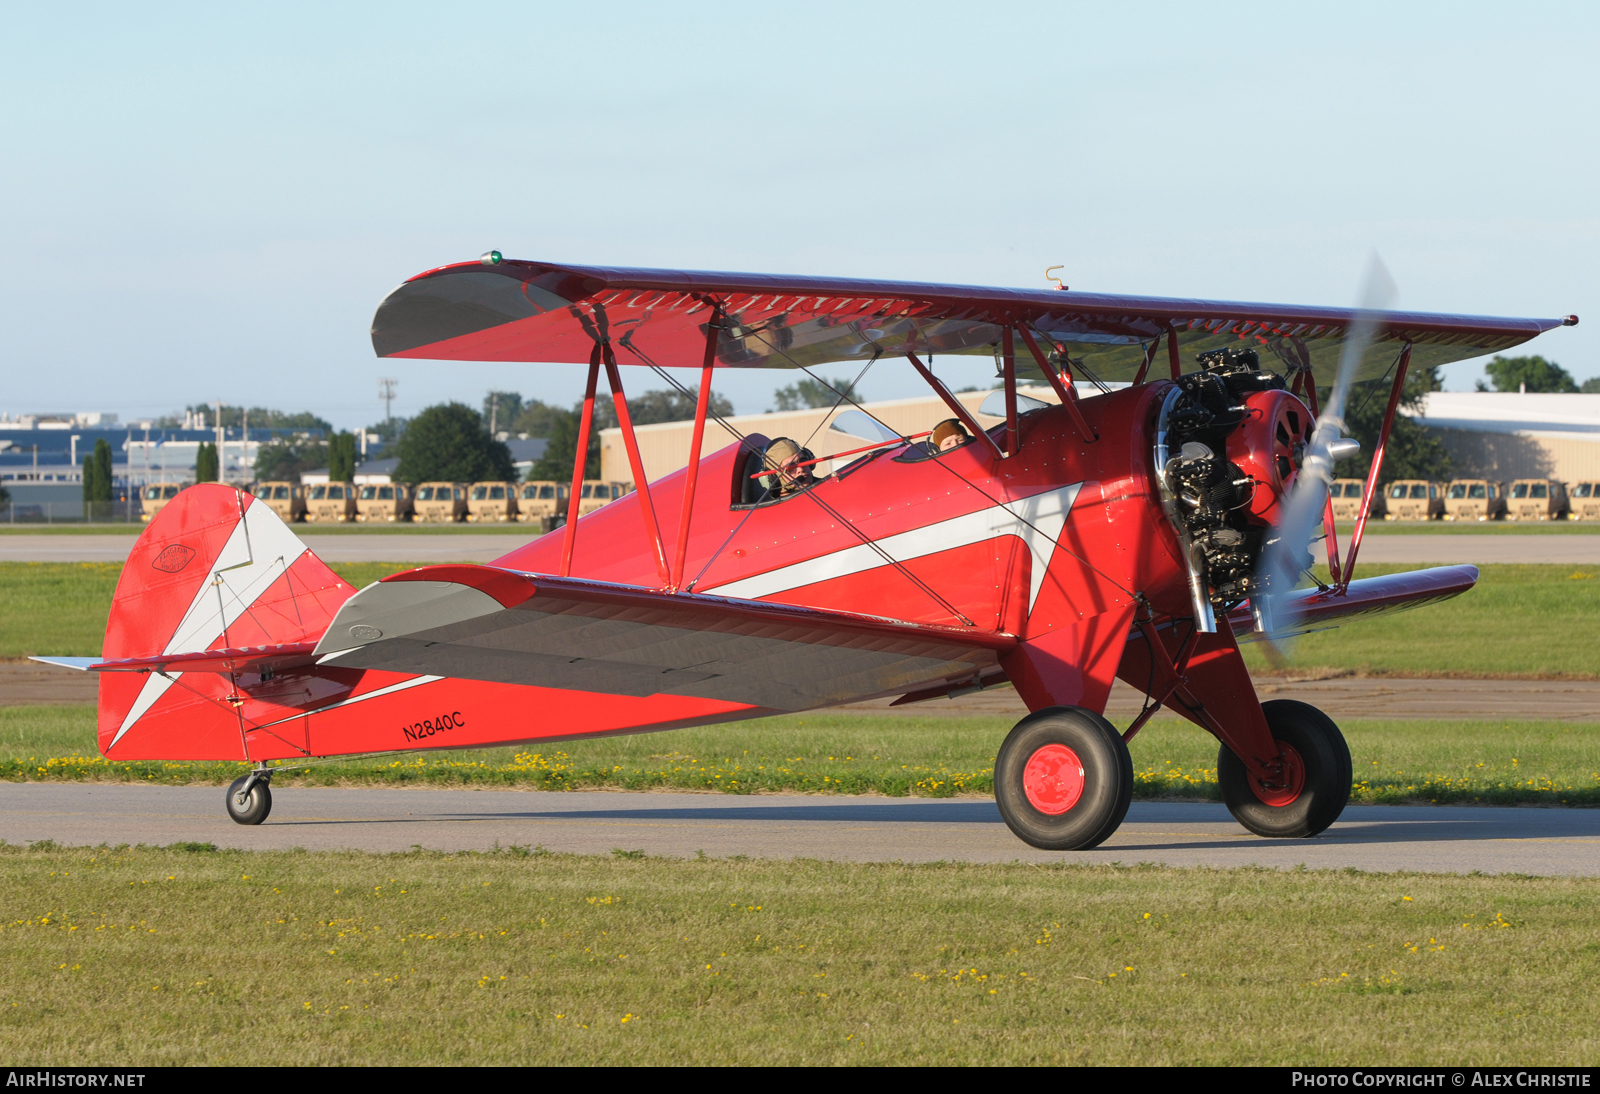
(1285, 790)
(1053, 779)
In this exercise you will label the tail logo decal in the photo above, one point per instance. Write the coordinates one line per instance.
(173, 558)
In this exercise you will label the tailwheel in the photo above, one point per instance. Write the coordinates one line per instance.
(249, 798)
(1063, 779)
(1314, 787)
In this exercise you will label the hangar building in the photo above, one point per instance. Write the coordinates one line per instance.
(1505, 435)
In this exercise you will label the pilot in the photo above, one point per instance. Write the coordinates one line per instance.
(948, 435)
(790, 462)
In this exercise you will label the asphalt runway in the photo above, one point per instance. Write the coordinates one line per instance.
(420, 547)
(1446, 839)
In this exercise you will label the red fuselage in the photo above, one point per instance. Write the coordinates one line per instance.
(975, 537)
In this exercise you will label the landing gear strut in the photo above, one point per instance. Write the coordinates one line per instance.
(1316, 775)
(1063, 779)
(249, 798)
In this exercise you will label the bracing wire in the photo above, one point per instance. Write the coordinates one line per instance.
(1019, 517)
(839, 517)
(1040, 336)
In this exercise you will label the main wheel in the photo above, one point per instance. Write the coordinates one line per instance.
(251, 808)
(1317, 770)
(1063, 779)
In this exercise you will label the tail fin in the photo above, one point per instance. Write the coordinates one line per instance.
(215, 569)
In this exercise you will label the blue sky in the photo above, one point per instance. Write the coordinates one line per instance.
(207, 202)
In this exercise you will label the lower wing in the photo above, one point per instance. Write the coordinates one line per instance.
(1318, 609)
(484, 623)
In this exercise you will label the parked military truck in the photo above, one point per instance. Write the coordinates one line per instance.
(1413, 499)
(287, 499)
(441, 502)
(543, 503)
(1346, 497)
(1474, 499)
(379, 503)
(331, 503)
(491, 502)
(1584, 498)
(156, 495)
(1537, 499)
(596, 494)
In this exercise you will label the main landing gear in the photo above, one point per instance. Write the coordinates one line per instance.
(249, 798)
(1316, 783)
(1064, 779)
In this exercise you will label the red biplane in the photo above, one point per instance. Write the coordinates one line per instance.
(1138, 533)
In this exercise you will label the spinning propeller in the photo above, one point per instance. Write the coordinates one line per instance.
(1287, 551)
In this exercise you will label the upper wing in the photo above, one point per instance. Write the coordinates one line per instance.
(486, 623)
(535, 311)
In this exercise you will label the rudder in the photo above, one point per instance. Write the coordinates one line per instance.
(216, 569)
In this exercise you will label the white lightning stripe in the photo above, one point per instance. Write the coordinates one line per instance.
(260, 549)
(155, 686)
(1036, 520)
(256, 554)
(390, 690)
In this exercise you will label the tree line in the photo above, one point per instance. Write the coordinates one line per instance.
(453, 442)
(559, 425)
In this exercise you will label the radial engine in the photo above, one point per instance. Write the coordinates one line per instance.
(1229, 444)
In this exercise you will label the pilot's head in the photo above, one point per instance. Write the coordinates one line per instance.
(949, 434)
(786, 457)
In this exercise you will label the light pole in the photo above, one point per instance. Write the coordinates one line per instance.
(386, 388)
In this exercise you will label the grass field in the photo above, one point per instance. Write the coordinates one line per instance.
(60, 608)
(1501, 763)
(1537, 620)
(187, 955)
(1532, 621)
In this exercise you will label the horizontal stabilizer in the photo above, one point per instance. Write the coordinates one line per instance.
(486, 623)
(79, 663)
(253, 659)
(1314, 609)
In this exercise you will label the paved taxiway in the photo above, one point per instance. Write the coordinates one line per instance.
(863, 829)
(1576, 549)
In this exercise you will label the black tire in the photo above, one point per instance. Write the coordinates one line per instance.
(1088, 817)
(256, 805)
(1326, 761)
